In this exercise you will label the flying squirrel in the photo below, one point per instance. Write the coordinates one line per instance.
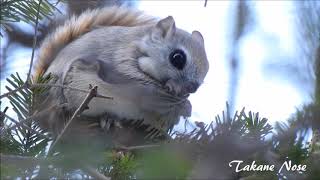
(148, 66)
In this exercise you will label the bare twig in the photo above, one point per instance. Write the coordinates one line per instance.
(34, 42)
(68, 87)
(81, 108)
(95, 174)
(130, 148)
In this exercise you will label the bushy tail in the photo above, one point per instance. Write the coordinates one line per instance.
(77, 26)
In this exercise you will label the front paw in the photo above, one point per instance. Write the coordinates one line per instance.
(186, 109)
(106, 122)
(172, 87)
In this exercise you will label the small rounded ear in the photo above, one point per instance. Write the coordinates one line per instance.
(164, 29)
(196, 35)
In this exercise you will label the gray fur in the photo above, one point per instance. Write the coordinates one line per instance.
(131, 65)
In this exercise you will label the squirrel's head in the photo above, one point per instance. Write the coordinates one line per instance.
(173, 57)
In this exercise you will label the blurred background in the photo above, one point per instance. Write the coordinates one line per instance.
(260, 52)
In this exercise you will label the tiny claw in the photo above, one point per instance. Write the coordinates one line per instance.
(106, 122)
(170, 86)
(169, 89)
(103, 123)
(118, 124)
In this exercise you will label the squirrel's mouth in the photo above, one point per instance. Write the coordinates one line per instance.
(181, 89)
(169, 87)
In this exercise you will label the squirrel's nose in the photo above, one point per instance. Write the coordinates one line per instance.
(191, 87)
(181, 88)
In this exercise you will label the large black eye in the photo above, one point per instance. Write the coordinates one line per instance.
(178, 59)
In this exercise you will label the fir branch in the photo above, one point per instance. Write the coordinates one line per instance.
(35, 85)
(21, 10)
(13, 91)
(30, 118)
(26, 127)
(35, 116)
(2, 116)
(25, 85)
